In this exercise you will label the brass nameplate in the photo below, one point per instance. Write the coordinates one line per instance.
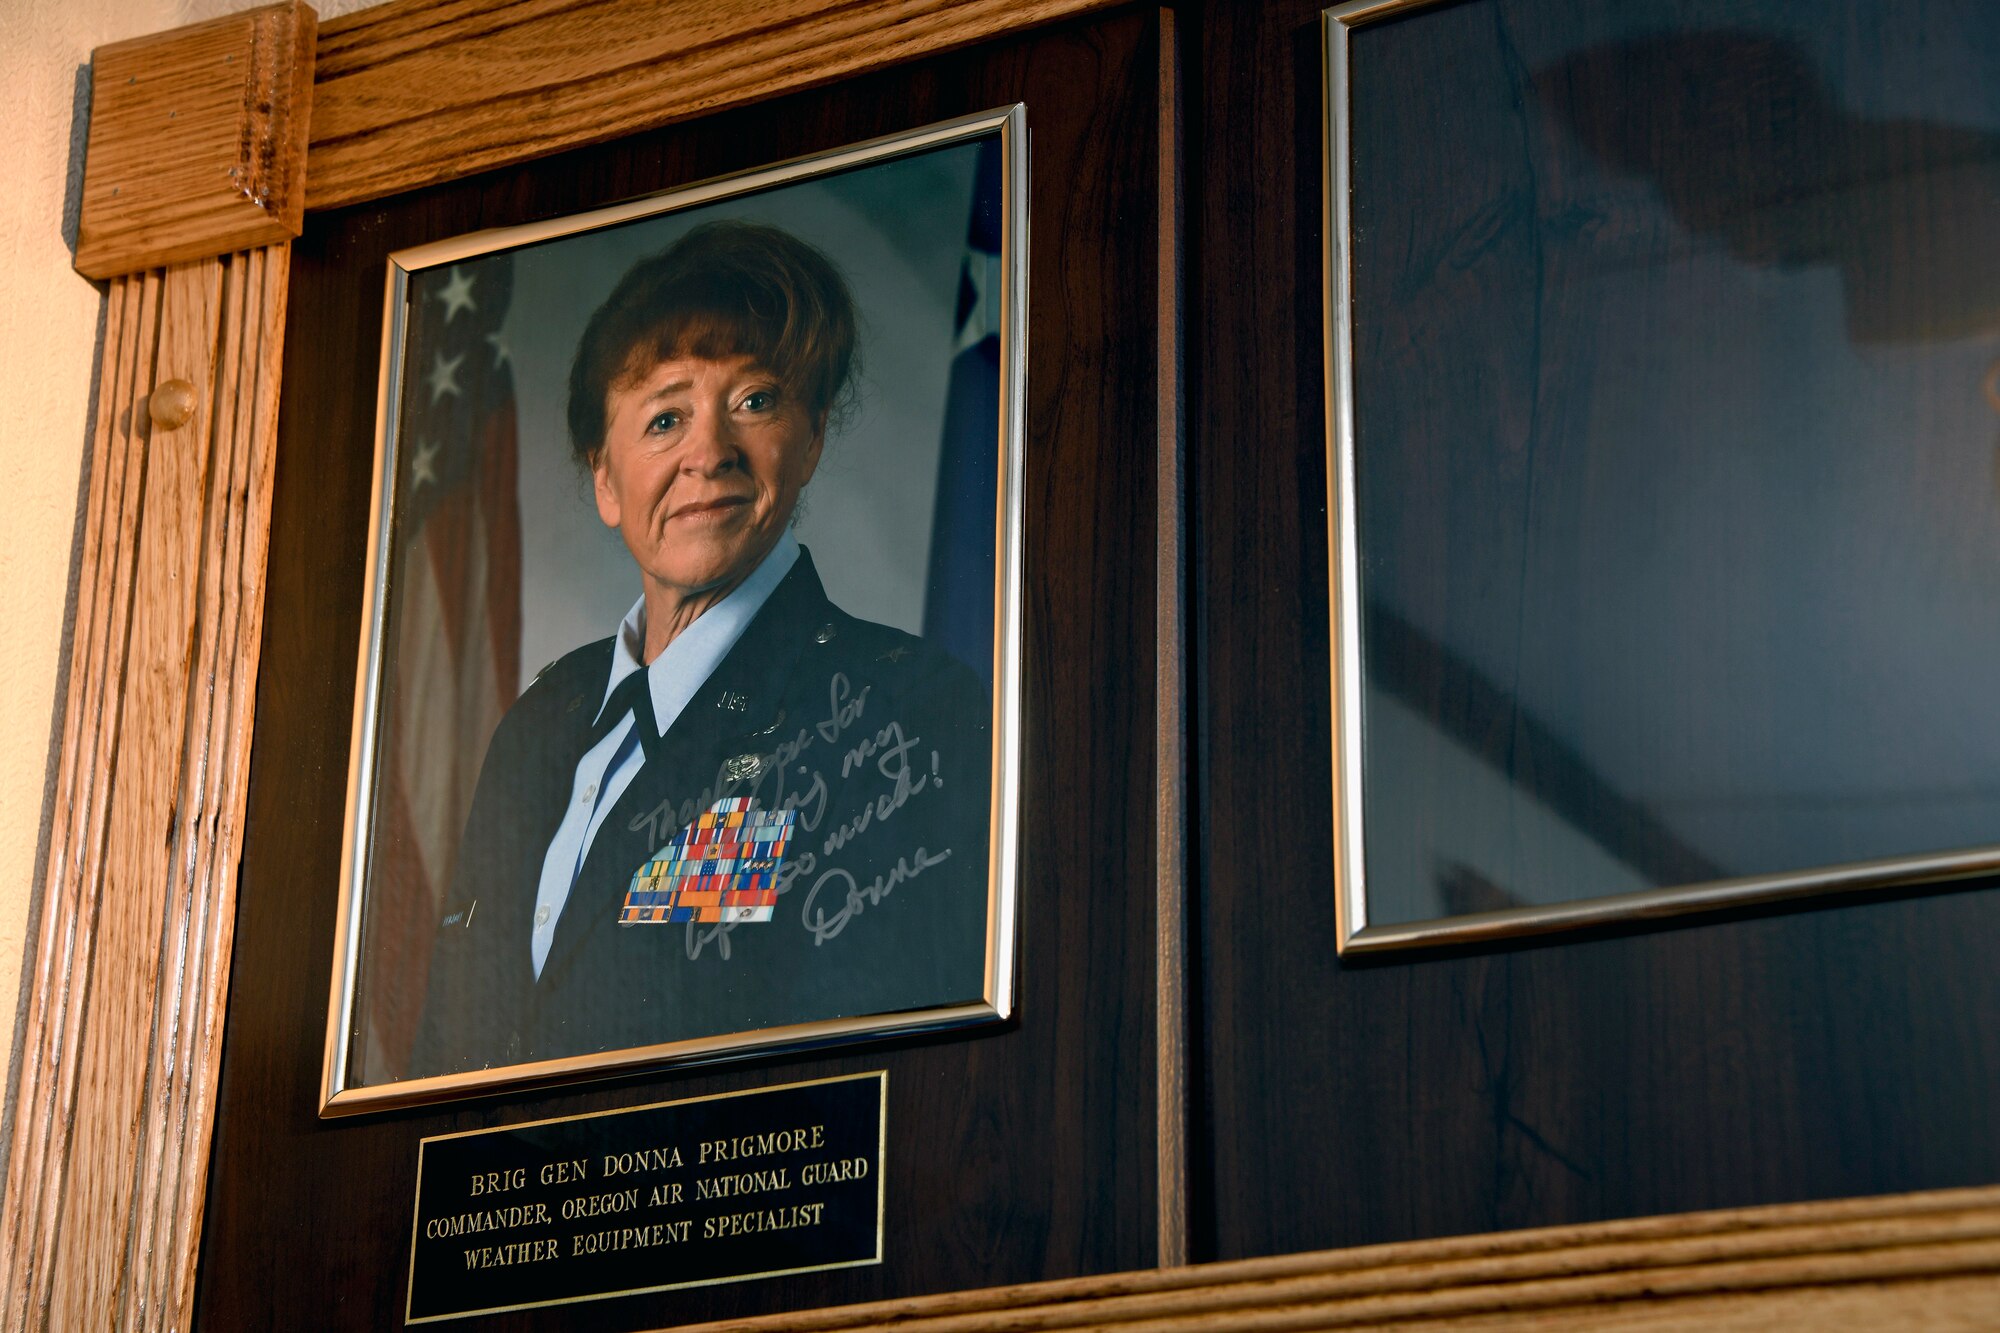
(677, 1194)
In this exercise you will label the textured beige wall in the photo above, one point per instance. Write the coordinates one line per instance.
(48, 330)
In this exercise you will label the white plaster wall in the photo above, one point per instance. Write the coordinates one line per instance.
(49, 326)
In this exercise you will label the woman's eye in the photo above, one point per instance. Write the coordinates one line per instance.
(663, 422)
(760, 400)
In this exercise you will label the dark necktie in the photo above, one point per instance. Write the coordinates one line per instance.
(633, 695)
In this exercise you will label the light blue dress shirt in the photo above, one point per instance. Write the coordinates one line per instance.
(673, 678)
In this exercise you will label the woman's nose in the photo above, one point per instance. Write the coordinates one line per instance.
(711, 445)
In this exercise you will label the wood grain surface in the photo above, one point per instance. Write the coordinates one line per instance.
(1014, 1153)
(151, 735)
(46, 1071)
(412, 92)
(108, 1164)
(197, 141)
(1838, 1049)
(1917, 1261)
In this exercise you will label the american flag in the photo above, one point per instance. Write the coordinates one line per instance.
(454, 636)
(958, 602)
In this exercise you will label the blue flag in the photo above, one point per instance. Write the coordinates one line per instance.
(958, 603)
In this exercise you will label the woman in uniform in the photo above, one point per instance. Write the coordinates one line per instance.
(745, 809)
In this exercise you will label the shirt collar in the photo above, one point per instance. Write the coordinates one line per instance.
(680, 671)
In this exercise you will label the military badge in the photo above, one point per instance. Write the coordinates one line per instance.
(722, 867)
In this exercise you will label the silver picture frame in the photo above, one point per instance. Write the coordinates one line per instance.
(1361, 929)
(347, 1087)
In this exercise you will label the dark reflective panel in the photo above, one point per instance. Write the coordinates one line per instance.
(1677, 442)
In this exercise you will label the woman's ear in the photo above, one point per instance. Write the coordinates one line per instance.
(812, 449)
(608, 508)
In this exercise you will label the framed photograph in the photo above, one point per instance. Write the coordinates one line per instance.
(687, 711)
(1662, 343)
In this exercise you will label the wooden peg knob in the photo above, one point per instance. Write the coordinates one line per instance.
(172, 404)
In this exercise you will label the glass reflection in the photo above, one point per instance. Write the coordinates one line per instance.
(1677, 464)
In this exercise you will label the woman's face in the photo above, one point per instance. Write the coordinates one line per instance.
(701, 467)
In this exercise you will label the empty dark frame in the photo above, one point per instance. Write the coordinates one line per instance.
(1662, 343)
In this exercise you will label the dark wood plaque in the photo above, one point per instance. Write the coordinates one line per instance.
(1749, 1058)
(1013, 1154)
(679, 1194)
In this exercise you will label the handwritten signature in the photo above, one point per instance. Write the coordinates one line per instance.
(699, 936)
(783, 782)
(859, 898)
(844, 709)
(893, 764)
(844, 712)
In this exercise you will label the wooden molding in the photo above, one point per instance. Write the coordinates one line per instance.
(107, 1169)
(1910, 1261)
(197, 141)
(413, 92)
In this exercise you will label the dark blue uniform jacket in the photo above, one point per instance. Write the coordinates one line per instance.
(879, 741)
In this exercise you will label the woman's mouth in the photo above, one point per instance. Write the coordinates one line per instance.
(708, 509)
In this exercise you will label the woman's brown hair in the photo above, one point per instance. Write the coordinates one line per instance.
(725, 289)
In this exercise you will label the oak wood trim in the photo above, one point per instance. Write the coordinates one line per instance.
(411, 93)
(45, 1074)
(197, 141)
(97, 1200)
(1916, 1260)
(108, 1163)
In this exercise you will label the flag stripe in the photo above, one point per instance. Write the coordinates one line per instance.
(454, 644)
